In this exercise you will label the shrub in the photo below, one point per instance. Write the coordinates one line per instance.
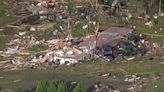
(62, 87)
(42, 86)
(52, 87)
(79, 88)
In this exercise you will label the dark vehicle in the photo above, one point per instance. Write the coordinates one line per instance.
(128, 49)
(76, 41)
(135, 38)
(108, 53)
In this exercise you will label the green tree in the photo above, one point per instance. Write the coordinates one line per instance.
(62, 87)
(79, 88)
(52, 87)
(42, 86)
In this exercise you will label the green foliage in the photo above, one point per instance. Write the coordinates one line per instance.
(79, 88)
(20, 90)
(6, 19)
(71, 8)
(52, 87)
(42, 86)
(78, 31)
(44, 34)
(2, 42)
(62, 87)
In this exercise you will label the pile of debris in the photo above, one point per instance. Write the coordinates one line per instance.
(52, 12)
(138, 82)
(132, 78)
(115, 41)
(65, 56)
(108, 44)
(21, 44)
(98, 87)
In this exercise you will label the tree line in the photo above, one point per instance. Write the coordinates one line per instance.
(60, 86)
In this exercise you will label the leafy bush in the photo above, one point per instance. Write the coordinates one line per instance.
(52, 87)
(62, 87)
(79, 88)
(42, 86)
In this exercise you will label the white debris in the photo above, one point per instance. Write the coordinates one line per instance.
(105, 75)
(94, 22)
(55, 32)
(1, 29)
(162, 14)
(43, 17)
(69, 53)
(82, 14)
(162, 62)
(116, 91)
(129, 59)
(131, 88)
(131, 78)
(42, 12)
(37, 42)
(12, 50)
(22, 33)
(77, 22)
(32, 29)
(134, 76)
(39, 4)
(15, 81)
(156, 86)
(149, 24)
(61, 28)
(85, 27)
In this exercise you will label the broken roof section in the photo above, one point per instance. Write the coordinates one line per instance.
(118, 30)
(111, 37)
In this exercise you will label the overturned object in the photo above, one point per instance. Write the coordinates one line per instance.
(12, 50)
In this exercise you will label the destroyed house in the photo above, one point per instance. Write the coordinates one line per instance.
(110, 37)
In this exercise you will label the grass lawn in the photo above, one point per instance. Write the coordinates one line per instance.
(6, 19)
(156, 87)
(2, 42)
(155, 37)
(84, 72)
